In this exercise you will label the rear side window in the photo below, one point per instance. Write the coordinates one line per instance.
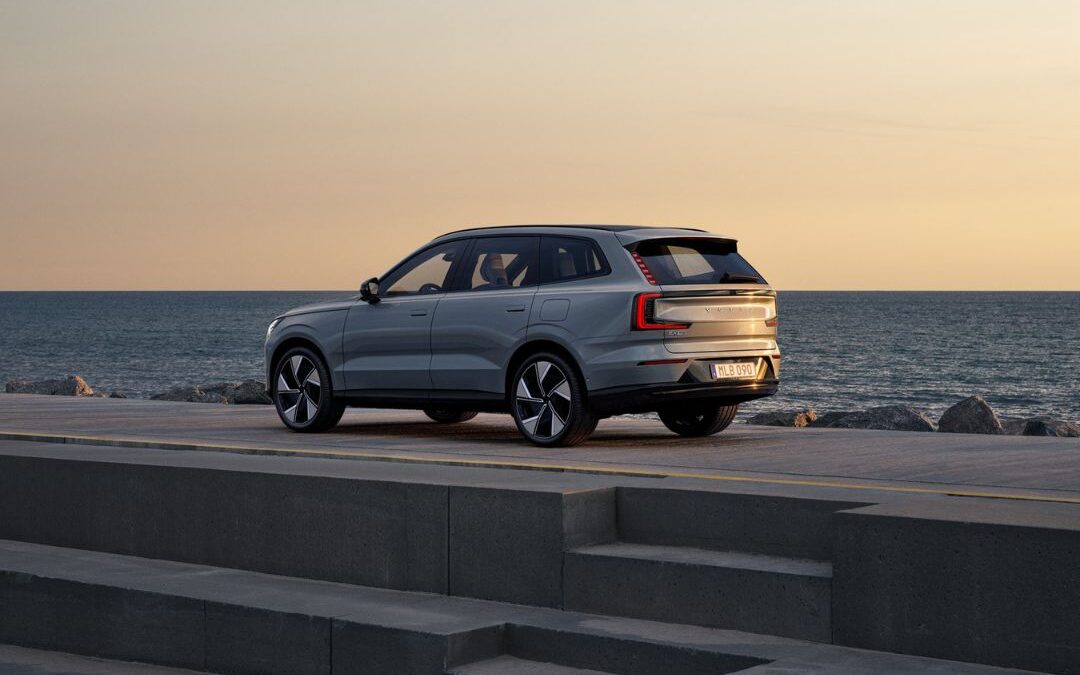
(696, 261)
(567, 258)
(502, 262)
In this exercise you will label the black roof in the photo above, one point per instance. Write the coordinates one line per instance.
(608, 228)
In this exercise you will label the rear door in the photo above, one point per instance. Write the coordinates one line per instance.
(478, 323)
(723, 303)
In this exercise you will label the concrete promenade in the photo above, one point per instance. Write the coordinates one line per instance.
(1048, 467)
(208, 537)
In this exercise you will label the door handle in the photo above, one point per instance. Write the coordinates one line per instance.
(515, 308)
(418, 314)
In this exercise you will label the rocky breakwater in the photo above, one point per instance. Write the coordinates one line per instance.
(248, 392)
(973, 415)
(72, 385)
(236, 393)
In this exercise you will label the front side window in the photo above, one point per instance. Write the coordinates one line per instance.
(426, 272)
(502, 262)
(696, 261)
(566, 258)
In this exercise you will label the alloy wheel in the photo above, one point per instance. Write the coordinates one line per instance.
(299, 390)
(543, 398)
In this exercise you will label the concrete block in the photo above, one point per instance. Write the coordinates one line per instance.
(101, 621)
(784, 526)
(248, 640)
(614, 655)
(749, 592)
(508, 544)
(365, 649)
(985, 584)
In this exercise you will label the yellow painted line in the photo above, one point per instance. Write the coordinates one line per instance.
(512, 464)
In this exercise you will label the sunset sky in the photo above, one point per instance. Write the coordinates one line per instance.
(309, 145)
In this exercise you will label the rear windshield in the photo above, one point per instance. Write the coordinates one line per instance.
(696, 261)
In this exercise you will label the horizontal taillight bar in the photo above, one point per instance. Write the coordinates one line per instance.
(662, 362)
(643, 314)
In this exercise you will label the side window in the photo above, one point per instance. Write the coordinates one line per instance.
(566, 258)
(426, 272)
(502, 262)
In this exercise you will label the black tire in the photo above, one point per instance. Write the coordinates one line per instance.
(302, 393)
(698, 419)
(550, 408)
(450, 416)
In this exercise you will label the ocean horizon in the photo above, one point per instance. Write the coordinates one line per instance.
(842, 350)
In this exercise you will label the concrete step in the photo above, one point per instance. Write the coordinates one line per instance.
(233, 621)
(24, 661)
(727, 521)
(510, 665)
(723, 589)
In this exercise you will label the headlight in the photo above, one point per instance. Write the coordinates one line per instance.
(271, 327)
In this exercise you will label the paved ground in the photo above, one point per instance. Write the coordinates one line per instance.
(1004, 465)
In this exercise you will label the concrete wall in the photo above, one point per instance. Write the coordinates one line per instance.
(491, 543)
(384, 534)
(996, 584)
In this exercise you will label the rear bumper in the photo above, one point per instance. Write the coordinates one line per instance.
(619, 400)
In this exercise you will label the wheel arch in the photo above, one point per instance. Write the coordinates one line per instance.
(538, 346)
(284, 346)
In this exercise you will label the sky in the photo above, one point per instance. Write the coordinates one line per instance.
(860, 144)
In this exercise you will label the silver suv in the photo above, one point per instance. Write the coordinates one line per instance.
(558, 325)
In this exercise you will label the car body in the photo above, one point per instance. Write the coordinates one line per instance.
(640, 318)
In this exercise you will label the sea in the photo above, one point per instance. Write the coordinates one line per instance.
(841, 350)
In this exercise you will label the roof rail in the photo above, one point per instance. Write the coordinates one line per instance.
(608, 228)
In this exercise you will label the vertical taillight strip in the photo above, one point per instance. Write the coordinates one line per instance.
(644, 268)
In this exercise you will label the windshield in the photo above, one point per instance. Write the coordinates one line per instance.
(696, 261)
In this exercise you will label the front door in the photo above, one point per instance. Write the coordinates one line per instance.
(485, 316)
(387, 345)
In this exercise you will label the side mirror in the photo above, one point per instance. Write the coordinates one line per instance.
(369, 290)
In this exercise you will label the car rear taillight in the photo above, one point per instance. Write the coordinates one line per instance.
(644, 268)
(644, 311)
(772, 323)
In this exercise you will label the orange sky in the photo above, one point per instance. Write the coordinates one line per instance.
(267, 145)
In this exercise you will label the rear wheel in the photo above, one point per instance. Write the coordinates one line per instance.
(450, 416)
(302, 394)
(698, 419)
(548, 402)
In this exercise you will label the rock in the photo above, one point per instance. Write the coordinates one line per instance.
(117, 394)
(973, 415)
(72, 385)
(250, 392)
(784, 419)
(830, 418)
(1045, 426)
(1013, 426)
(887, 417)
(241, 393)
(190, 394)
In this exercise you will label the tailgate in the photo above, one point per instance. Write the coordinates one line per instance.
(728, 320)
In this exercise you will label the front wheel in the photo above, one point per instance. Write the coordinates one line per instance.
(302, 393)
(450, 416)
(548, 402)
(701, 419)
